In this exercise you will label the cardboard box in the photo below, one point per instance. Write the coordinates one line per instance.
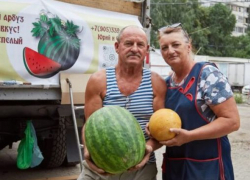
(78, 86)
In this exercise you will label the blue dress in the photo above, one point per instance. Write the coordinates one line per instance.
(200, 159)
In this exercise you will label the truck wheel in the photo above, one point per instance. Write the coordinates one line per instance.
(54, 148)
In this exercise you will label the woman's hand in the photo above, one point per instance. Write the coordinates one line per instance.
(182, 136)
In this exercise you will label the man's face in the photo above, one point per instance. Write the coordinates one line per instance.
(132, 47)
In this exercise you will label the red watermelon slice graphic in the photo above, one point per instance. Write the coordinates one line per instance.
(39, 65)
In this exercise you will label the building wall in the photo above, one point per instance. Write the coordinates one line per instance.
(240, 10)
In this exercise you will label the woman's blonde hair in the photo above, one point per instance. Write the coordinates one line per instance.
(169, 30)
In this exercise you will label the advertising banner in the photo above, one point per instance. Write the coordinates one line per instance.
(41, 38)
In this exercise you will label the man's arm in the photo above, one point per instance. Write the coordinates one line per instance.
(94, 94)
(159, 89)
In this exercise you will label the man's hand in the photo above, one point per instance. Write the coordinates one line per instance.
(148, 151)
(147, 131)
(92, 165)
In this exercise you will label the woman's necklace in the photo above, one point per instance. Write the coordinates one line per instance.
(174, 83)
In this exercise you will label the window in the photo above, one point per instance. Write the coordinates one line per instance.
(234, 8)
(240, 19)
(239, 29)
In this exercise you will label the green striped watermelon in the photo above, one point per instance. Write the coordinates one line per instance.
(62, 47)
(114, 139)
(58, 39)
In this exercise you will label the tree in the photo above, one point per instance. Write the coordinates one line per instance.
(241, 47)
(200, 33)
(221, 24)
(167, 12)
(210, 28)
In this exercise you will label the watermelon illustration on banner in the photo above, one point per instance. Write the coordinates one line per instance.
(58, 47)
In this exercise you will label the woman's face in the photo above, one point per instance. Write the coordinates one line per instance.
(174, 48)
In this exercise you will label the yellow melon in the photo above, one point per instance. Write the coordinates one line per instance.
(161, 121)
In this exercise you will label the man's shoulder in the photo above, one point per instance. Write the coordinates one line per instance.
(155, 76)
(98, 75)
(101, 71)
(157, 81)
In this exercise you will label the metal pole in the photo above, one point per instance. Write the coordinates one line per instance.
(75, 123)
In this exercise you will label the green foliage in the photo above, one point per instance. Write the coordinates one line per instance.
(164, 12)
(71, 27)
(221, 19)
(39, 29)
(210, 28)
(221, 24)
(242, 46)
(53, 25)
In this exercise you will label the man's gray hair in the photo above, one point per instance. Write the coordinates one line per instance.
(118, 37)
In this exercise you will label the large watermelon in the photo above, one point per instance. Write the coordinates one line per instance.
(38, 65)
(61, 47)
(114, 139)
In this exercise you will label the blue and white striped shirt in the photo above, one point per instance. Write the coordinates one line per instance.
(139, 103)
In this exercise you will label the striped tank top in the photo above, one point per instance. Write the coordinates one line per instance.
(139, 103)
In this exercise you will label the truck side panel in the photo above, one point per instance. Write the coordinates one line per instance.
(39, 40)
(236, 74)
(111, 5)
(247, 74)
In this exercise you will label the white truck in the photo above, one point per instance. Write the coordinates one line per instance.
(41, 43)
(235, 69)
(239, 75)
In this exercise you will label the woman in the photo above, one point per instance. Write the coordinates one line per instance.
(202, 97)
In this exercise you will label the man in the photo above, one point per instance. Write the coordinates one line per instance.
(131, 86)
